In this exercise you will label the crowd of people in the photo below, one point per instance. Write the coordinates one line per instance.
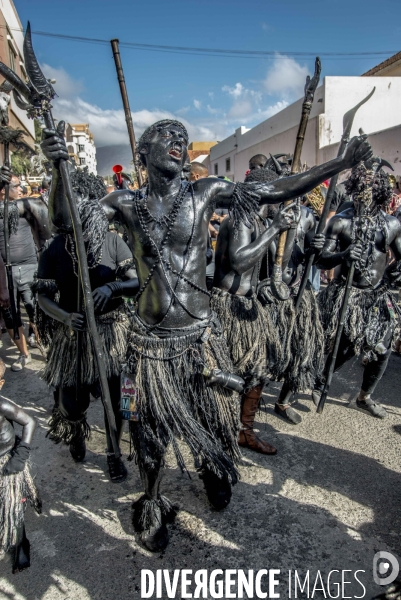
(209, 325)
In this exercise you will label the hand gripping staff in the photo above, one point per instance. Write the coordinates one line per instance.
(279, 288)
(348, 120)
(35, 97)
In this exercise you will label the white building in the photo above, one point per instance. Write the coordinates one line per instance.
(380, 118)
(81, 146)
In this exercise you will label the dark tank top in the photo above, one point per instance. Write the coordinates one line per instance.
(7, 436)
(22, 246)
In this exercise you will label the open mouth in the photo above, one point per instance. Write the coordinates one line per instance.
(176, 150)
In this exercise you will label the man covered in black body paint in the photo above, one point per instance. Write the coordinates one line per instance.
(176, 343)
(300, 333)
(249, 331)
(363, 234)
(57, 286)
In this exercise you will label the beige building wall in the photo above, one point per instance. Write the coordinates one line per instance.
(11, 54)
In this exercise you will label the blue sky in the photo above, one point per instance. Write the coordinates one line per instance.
(212, 94)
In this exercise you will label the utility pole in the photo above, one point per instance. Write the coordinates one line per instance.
(127, 110)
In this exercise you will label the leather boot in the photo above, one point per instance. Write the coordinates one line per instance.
(247, 436)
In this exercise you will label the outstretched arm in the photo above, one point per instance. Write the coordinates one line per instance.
(294, 186)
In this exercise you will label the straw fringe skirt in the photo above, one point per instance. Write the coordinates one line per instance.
(15, 491)
(175, 402)
(60, 369)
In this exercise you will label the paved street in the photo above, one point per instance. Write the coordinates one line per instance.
(328, 500)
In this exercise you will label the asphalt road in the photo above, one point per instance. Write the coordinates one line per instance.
(328, 500)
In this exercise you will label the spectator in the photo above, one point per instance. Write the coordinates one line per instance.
(24, 264)
(198, 171)
(257, 162)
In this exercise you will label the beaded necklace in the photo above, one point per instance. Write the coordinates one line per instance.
(70, 249)
(363, 229)
(144, 217)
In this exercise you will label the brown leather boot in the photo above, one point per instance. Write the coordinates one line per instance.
(247, 436)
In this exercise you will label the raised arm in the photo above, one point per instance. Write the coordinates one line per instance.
(243, 256)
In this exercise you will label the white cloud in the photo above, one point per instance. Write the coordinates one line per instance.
(65, 86)
(240, 109)
(109, 127)
(212, 111)
(266, 27)
(183, 110)
(211, 95)
(197, 104)
(235, 92)
(286, 78)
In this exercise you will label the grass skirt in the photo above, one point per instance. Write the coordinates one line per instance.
(302, 336)
(60, 369)
(370, 314)
(245, 328)
(15, 491)
(175, 402)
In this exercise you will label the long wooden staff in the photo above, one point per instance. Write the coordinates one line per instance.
(39, 93)
(279, 289)
(348, 120)
(127, 110)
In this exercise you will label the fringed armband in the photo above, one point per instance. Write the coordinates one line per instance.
(244, 205)
(124, 266)
(45, 286)
(44, 323)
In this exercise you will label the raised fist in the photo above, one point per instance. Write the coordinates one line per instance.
(358, 149)
(53, 144)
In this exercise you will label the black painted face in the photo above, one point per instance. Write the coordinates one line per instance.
(167, 150)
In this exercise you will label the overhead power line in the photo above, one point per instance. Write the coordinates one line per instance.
(223, 52)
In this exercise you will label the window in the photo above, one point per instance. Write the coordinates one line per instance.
(216, 169)
(82, 161)
(81, 147)
(12, 57)
(228, 165)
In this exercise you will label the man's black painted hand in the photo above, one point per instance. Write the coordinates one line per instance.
(354, 252)
(5, 175)
(76, 321)
(285, 218)
(357, 149)
(19, 456)
(53, 145)
(101, 296)
(317, 242)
